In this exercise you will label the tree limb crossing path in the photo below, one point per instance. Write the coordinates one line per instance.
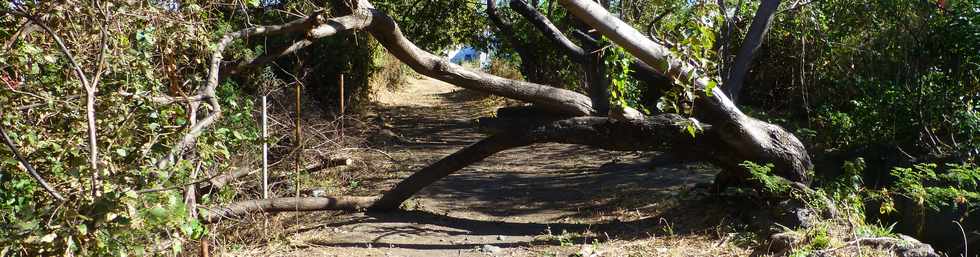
(528, 201)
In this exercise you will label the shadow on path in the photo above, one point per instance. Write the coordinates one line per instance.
(520, 197)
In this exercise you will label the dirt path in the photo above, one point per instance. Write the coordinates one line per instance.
(542, 200)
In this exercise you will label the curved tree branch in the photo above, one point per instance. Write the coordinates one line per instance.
(753, 40)
(550, 31)
(590, 59)
(756, 140)
(618, 133)
(27, 165)
(386, 31)
(206, 93)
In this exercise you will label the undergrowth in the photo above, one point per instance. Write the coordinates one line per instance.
(928, 188)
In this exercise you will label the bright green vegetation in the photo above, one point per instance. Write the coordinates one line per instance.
(925, 193)
(150, 51)
(840, 74)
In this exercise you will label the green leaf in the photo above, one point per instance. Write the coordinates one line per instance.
(82, 229)
(178, 246)
(187, 229)
(711, 86)
(238, 135)
(158, 212)
(122, 152)
(31, 49)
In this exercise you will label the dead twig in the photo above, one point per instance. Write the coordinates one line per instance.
(27, 165)
(218, 181)
(207, 92)
(90, 90)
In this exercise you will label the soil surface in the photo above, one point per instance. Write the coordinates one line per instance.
(541, 200)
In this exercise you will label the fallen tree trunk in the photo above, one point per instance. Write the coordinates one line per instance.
(754, 140)
(729, 138)
(442, 168)
(386, 31)
(240, 209)
(642, 134)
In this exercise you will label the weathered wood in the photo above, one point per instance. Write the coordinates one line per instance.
(386, 31)
(389, 35)
(749, 138)
(240, 209)
(730, 137)
(647, 133)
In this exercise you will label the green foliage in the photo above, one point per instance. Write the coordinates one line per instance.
(957, 185)
(814, 238)
(857, 72)
(848, 195)
(438, 25)
(504, 69)
(691, 31)
(763, 174)
(847, 189)
(623, 89)
(149, 53)
(541, 62)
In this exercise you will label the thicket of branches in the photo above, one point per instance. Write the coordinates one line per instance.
(119, 113)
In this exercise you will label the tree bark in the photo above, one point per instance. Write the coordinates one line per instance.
(757, 141)
(386, 31)
(638, 134)
(729, 138)
(588, 57)
(753, 40)
(239, 209)
(442, 168)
